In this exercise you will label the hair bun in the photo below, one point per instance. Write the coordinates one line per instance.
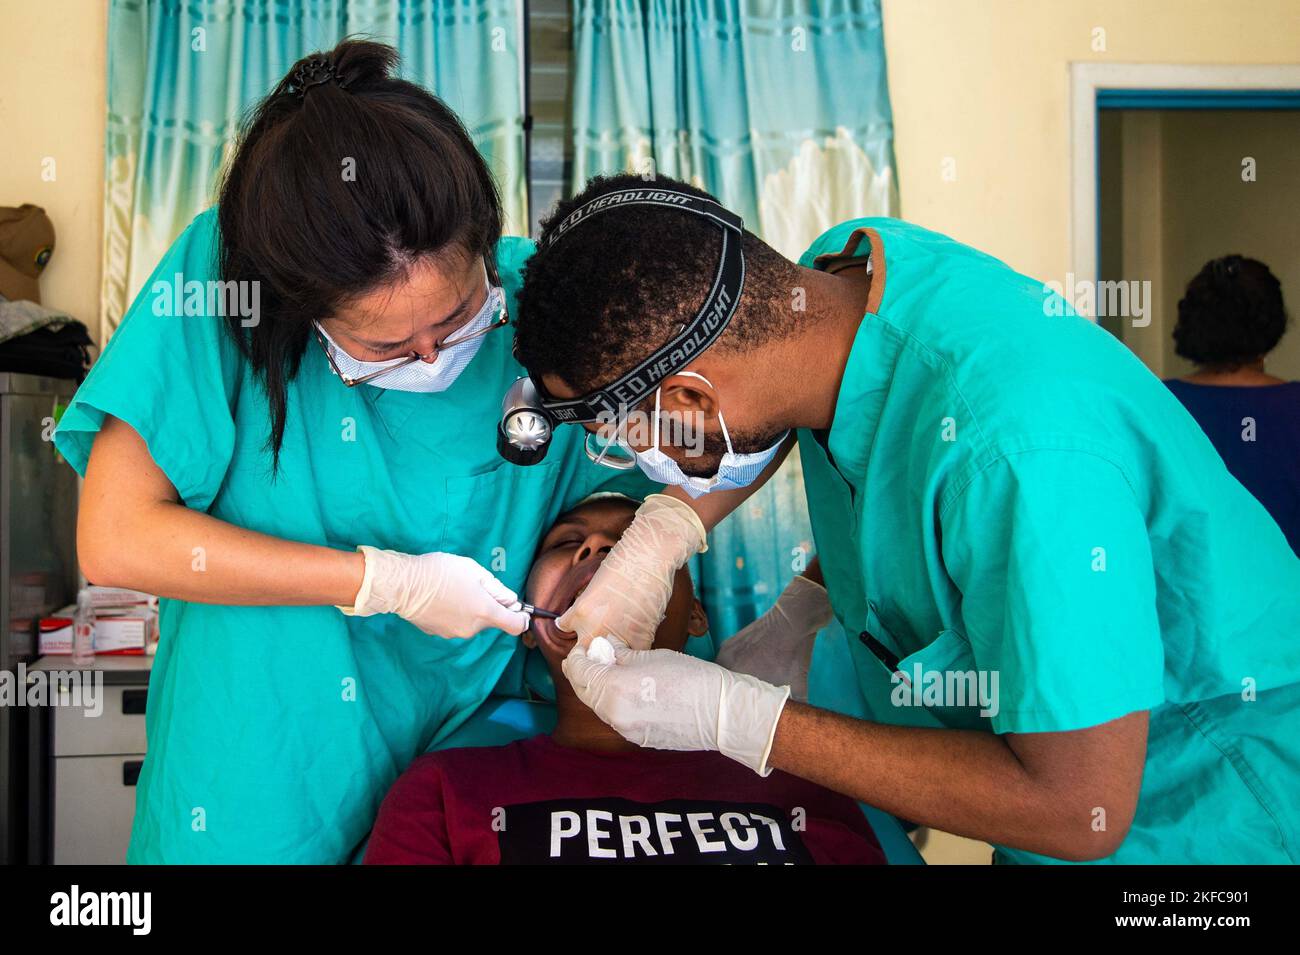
(359, 64)
(353, 64)
(312, 71)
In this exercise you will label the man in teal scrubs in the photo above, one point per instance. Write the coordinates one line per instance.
(274, 732)
(1067, 629)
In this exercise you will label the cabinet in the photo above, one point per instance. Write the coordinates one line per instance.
(85, 764)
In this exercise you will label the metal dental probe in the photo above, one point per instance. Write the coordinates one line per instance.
(537, 612)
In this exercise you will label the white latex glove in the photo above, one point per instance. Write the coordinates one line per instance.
(778, 646)
(442, 594)
(663, 699)
(629, 593)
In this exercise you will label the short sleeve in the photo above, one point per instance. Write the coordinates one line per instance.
(1050, 552)
(170, 371)
(411, 828)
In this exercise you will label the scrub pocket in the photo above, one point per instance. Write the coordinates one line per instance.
(937, 685)
(498, 517)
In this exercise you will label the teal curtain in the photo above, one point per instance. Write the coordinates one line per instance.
(781, 109)
(181, 75)
(778, 107)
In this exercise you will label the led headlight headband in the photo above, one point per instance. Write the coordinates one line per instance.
(529, 412)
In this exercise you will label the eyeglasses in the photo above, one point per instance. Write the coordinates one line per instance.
(612, 452)
(493, 292)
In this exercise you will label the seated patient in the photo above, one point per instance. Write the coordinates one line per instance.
(585, 795)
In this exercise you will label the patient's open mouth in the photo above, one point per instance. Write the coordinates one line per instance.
(570, 587)
(575, 584)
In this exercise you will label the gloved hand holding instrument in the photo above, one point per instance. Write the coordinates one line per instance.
(442, 594)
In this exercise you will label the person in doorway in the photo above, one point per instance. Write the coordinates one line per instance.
(1229, 320)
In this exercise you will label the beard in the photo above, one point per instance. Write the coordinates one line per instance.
(706, 464)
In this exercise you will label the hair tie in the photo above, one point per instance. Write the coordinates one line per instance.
(313, 72)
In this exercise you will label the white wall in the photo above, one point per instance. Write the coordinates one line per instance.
(986, 82)
(52, 104)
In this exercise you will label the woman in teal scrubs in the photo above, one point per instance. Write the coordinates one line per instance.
(231, 469)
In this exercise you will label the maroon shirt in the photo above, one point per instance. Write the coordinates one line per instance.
(536, 802)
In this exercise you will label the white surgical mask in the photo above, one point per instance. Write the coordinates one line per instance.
(734, 470)
(423, 376)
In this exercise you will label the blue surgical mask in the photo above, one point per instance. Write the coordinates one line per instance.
(734, 470)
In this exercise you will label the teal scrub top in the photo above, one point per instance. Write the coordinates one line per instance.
(1007, 492)
(274, 732)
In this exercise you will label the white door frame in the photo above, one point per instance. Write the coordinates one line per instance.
(1087, 78)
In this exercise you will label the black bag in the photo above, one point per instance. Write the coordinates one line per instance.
(58, 351)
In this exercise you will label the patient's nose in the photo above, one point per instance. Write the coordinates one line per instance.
(595, 543)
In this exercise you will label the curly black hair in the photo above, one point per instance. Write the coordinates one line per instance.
(1231, 314)
(622, 283)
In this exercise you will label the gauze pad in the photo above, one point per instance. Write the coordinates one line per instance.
(601, 651)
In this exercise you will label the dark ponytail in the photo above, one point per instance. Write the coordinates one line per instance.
(344, 177)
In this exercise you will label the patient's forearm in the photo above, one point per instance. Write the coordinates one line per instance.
(974, 783)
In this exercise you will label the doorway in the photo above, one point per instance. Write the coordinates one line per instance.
(1179, 175)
